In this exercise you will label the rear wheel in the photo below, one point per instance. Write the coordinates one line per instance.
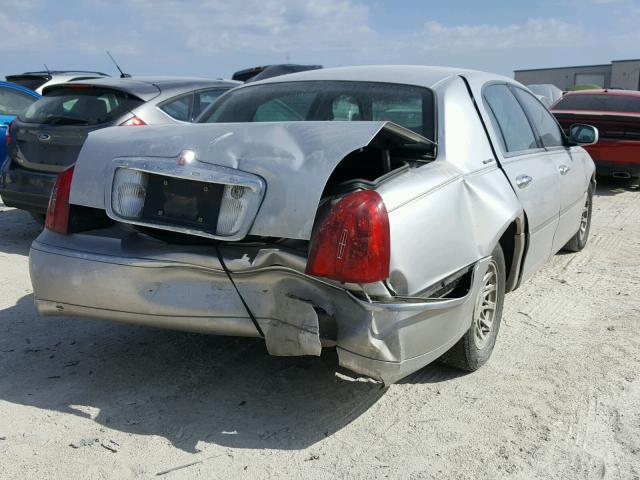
(475, 347)
(579, 240)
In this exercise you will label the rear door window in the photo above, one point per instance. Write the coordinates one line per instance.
(80, 105)
(13, 102)
(180, 108)
(542, 120)
(509, 120)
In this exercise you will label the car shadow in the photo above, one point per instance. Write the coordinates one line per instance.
(19, 229)
(435, 372)
(184, 387)
(609, 186)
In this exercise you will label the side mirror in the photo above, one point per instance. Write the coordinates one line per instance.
(582, 135)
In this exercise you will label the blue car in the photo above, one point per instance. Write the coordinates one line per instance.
(13, 100)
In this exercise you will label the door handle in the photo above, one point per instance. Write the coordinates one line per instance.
(564, 169)
(523, 181)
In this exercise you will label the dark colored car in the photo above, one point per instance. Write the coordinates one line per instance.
(616, 114)
(267, 71)
(42, 79)
(47, 137)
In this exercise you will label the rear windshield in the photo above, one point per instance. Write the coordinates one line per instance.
(406, 105)
(604, 103)
(80, 106)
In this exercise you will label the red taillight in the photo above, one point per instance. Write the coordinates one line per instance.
(58, 210)
(133, 122)
(353, 244)
(7, 135)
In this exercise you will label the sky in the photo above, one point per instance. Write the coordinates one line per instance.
(214, 38)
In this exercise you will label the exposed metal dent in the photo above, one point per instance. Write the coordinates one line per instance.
(380, 338)
(299, 334)
(391, 341)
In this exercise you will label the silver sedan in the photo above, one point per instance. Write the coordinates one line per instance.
(384, 211)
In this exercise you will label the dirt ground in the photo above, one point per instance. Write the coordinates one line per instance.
(560, 398)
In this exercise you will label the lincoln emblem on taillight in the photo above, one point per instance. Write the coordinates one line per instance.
(342, 243)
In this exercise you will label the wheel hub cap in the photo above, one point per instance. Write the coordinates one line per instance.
(484, 313)
(584, 220)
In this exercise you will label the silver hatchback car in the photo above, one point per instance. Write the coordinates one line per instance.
(384, 211)
(47, 137)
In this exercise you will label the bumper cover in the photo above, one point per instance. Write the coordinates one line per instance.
(25, 189)
(134, 281)
(615, 169)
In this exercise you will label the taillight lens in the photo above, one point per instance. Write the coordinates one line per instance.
(129, 192)
(58, 210)
(353, 243)
(7, 135)
(133, 122)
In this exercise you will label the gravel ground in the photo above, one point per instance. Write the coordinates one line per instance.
(560, 398)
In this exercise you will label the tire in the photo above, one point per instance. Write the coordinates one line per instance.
(579, 240)
(475, 347)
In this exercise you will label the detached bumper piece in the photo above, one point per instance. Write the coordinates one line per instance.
(140, 281)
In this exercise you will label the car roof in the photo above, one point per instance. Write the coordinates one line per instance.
(147, 88)
(420, 75)
(64, 72)
(15, 86)
(606, 91)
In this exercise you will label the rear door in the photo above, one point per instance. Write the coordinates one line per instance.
(532, 173)
(573, 179)
(49, 135)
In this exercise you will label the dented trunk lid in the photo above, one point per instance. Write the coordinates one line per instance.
(295, 159)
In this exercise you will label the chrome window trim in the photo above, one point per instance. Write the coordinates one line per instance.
(198, 171)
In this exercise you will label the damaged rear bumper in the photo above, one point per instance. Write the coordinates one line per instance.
(136, 280)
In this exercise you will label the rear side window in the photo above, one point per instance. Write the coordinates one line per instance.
(204, 99)
(179, 109)
(509, 120)
(13, 102)
(328, 100)
(83, 105)
(599, 102)
(543, 121)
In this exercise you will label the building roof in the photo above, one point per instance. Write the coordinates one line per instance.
(562, 68)
(578, 66)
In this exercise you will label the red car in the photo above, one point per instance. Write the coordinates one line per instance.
(616, 114)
